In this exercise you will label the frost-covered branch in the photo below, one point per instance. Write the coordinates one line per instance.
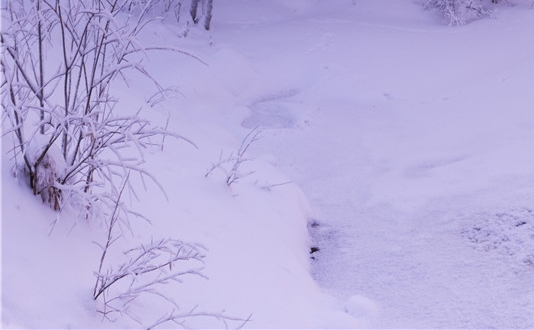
(180, 319)
(157, 257)
(231, 165)
(147, 268)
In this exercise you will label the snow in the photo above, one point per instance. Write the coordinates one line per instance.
(363, 309)
(400, 147)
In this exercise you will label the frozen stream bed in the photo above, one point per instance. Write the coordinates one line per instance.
(413, 142)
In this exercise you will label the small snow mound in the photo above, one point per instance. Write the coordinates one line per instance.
(363, 309)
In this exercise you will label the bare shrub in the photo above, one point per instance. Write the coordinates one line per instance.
(63, 112)
(460, 12)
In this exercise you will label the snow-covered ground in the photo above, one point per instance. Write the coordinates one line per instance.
(402, 146)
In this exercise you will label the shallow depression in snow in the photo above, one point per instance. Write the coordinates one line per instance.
(270, 115)
(277, 111)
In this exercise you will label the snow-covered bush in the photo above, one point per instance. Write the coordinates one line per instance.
(59, 62)
(459, 12)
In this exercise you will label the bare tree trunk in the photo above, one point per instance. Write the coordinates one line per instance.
(193, 10)
(209, 10)
(66, 79)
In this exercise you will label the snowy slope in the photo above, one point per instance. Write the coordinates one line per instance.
(407, 144)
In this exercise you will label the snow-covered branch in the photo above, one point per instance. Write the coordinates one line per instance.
(231, 165)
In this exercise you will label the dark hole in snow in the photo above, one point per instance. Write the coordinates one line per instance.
(324, 239)
(313, 227)
(314, 224)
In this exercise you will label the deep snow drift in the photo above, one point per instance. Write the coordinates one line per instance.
(403, 145)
